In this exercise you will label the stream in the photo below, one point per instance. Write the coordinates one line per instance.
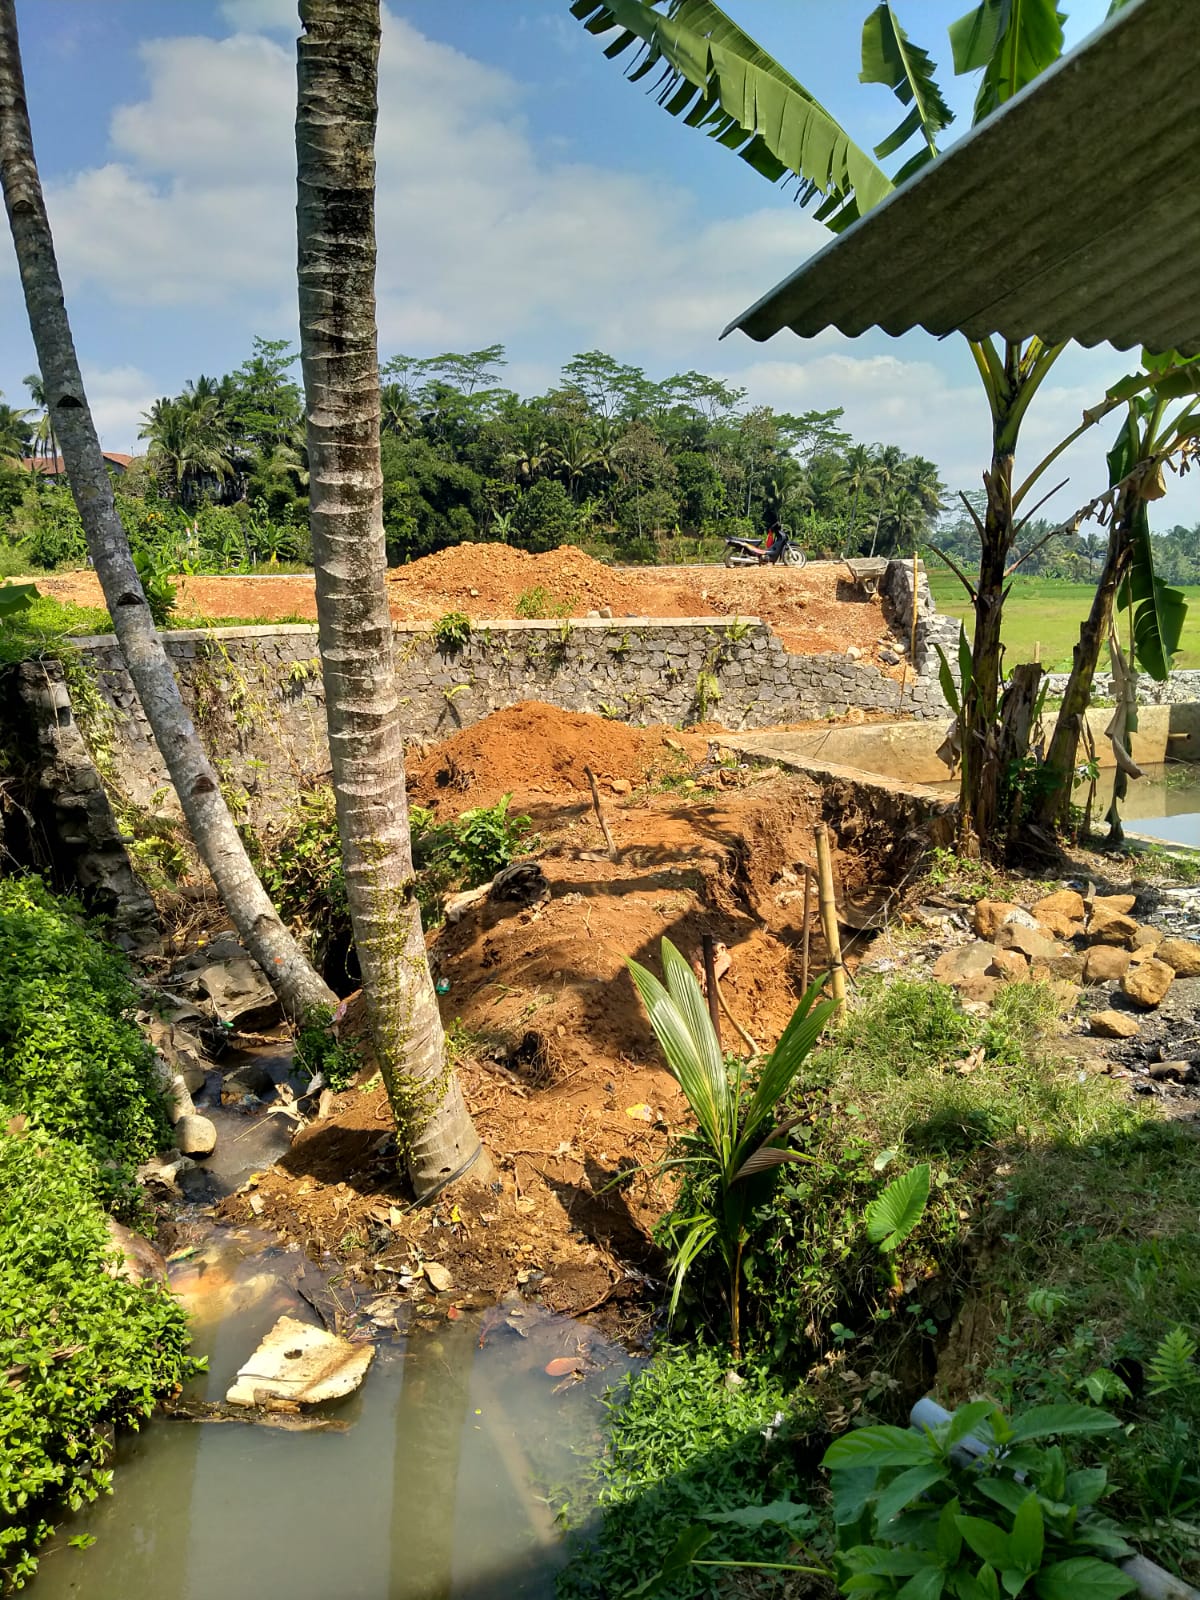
(438, 1482)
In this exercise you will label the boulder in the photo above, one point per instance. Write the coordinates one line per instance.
(1111, 927)
(978, 988)
(1146, 938)
(1114, 1025)
(1147, 983)
(1181, 955)
(1060, 925)
(241, 997)
(141, 1262)
(1063, 969)
(181, 1050)
(1105, 963)
(1065, 903)
(1121, 904)
(174, 1091)
(988, 916)
(300, 1364)
(1033, 943)
(195, 1135)
(964, 961)
(250, 1079)
(1010, 965)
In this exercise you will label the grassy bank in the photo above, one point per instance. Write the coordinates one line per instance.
(1054, 1264)
(1046, 612)
(83, 1351)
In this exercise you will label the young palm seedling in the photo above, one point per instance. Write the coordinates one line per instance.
(739, 1144)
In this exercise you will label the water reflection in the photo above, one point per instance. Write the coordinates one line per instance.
(432, 1493)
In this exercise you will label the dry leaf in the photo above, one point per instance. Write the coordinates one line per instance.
(640, 1112)
(438, 1276)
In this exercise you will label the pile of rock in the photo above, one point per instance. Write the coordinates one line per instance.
(1068, 938)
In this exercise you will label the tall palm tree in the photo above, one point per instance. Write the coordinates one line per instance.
(188, 442)
(196, 784)
(888, 462)
(858, 475)
(45, 444)
(14, 432)
(337, 76)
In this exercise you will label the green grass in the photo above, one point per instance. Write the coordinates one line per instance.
(1047, 612)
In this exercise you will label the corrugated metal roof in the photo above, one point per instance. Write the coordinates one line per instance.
(1073, 212)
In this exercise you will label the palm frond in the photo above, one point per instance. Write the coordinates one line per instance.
(779, 1073)
(716, 77)
(889, 57)
(1012, 41)
(688, 1043)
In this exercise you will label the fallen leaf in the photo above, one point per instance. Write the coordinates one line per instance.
(438, 1276)
(562, 1365)
(641, 1112)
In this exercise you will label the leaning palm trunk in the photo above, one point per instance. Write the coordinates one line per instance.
(335, 139)
(216, 838)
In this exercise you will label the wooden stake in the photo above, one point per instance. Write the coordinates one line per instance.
(807, 930)
(829, 921)
(600, 817)
(710, 981)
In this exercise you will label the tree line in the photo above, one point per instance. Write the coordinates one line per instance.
(607, 458)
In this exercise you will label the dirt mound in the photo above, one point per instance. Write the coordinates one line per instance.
(536, 747)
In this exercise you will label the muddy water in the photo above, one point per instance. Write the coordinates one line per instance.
(436, 1489)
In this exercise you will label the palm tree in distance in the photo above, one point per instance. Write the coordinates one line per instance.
(188, 441)
(859, 475)
(44, 442)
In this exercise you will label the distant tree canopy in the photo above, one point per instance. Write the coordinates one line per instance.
(608, 457)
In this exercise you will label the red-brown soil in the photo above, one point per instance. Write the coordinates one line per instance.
(813, 610)
(558, 1064)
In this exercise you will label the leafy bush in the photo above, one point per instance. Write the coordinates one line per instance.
(474, 847)
(318, 1049)
(452, 632)
(919, 1516)
(538, 602)
(71, 1058)
(688, 1445)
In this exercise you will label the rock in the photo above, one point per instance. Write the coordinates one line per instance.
(1121, 904)
(141, 1262)
(964, 961)
(1147, 983)
(606, 612)
(1064, 903)
(1110, 927)
(174, 1091)
(853, 652)
(1114, 1025)
(438, 1275)
(195, 1135)
(1146, 938)
(1063, 969)
(1181, 955)
(301, 1364)
(250, 1078)
(621, 786)
(182, 1052)
(889, 657)
(1010, 965)
(1105, 963)
(1031, 942)
(1062, 927)
(242, 998)
(978, 988)
(988, 916)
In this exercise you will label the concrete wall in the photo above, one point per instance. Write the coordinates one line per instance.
(256, 693)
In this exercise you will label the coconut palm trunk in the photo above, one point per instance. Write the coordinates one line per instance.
(216, 838)
(337, 73)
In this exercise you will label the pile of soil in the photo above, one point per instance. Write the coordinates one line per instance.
(533, 748)
(815, 610)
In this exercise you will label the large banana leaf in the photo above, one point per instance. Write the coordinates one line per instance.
(889, 57)
(716, 77)
(1159, 609)
(1012, 41)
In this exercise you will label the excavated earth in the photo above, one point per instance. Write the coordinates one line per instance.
(558, 1064)
(814, 610)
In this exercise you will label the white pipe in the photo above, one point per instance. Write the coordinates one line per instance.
(1152, 1581)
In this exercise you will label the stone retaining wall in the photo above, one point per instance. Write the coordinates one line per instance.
(256, 693)
(1182, 688)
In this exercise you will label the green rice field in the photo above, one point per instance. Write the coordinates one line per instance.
(1046, 612)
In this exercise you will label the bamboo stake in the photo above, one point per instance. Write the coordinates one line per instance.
(829, 921)
(710, 981)
(807, 930)
(600, 817)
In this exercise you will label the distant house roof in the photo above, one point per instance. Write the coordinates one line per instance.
(56, 467)
(1073, 212)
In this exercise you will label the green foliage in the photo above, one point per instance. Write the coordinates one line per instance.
(473, 848)
(155, 572)
(42, 628)
(71, 1058)
(538, 603)
(14, 598)
(686, 1445)
(545, 517)
(738, 1147)
(1172, 1367)
(318, 1049)
(893, 1216)
(452, 632)
(917, 1516)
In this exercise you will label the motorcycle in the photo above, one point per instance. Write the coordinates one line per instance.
(776, 550)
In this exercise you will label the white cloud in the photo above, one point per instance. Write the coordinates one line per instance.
(118, 397)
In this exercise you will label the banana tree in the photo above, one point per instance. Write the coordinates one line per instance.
(1148, 440)
(718, 79)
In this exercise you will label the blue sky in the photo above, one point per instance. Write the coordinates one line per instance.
(527, 194)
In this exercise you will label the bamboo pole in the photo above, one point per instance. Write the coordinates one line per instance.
(807, 930)
(829, 921)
